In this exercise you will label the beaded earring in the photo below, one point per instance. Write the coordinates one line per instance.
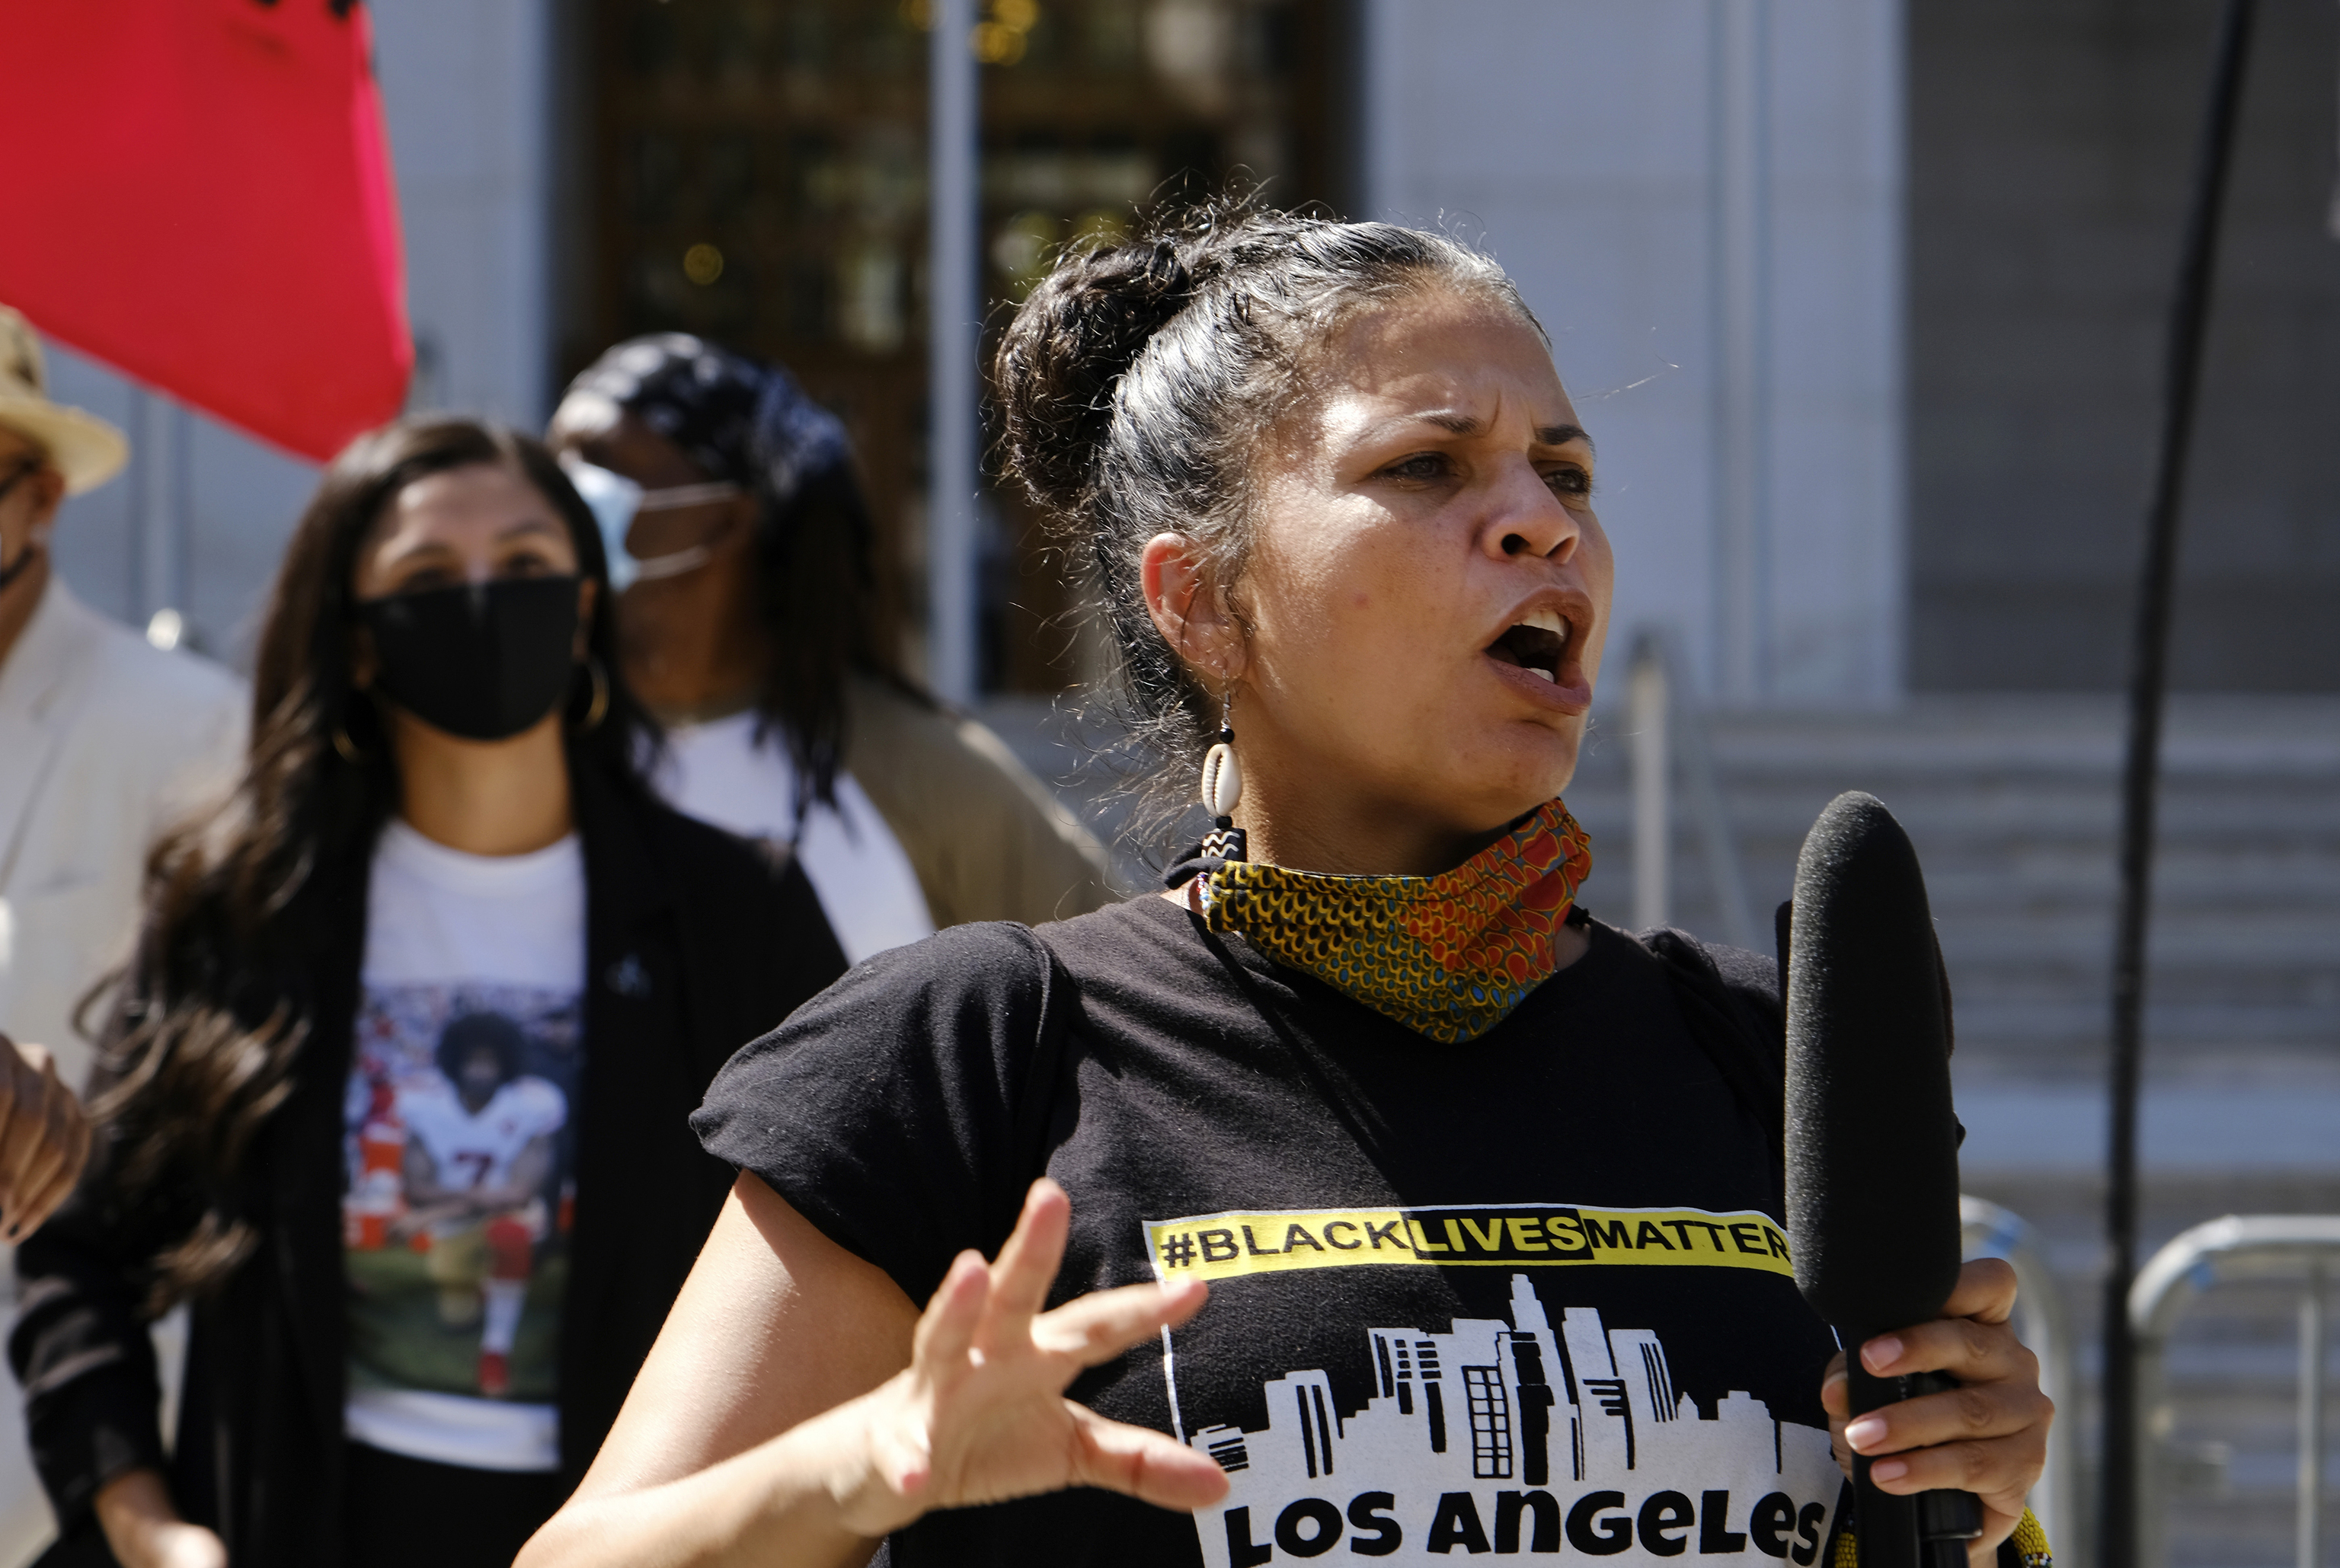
(1223, 789)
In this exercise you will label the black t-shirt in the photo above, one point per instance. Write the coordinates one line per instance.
(1524, 1294)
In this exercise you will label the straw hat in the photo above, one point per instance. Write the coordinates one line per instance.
(84, 448)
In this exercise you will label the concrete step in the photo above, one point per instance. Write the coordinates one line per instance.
(2014, 806)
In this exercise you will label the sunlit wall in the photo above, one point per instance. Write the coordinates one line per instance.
(1703, 200)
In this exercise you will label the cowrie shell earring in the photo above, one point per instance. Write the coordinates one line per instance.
(1222, 783)
(1223, 788)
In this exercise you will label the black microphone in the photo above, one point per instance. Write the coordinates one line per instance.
(1872, 1143)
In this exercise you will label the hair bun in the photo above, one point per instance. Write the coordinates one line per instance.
(1076, 333)
(1138, 386)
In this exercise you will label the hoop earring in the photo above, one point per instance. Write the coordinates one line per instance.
(600, 707)
(347, 747)
(1223, 789)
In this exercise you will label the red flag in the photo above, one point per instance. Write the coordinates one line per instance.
(199, 194)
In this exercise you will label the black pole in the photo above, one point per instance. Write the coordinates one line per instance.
(2189, 316)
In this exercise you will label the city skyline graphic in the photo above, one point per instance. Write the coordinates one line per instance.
(1515, 1436)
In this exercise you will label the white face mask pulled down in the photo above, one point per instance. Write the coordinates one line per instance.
(616, 500)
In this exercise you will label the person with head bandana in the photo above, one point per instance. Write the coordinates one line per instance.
(742, 548)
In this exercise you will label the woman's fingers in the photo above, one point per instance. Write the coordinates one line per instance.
(1968, 1350)
(1985, 1291)
(1836, 1400)
(24, 1128)
(73, 1152)
(1836, 1393)
(16, 1081)
(1027, 1266)
(946, 1330)
(30, 1192)
(1097, 1327)
(980, 1415)
(49, 1176)
(1990, 1434)
(1148, 1465)
(1956, 1415)
(1998, 1469)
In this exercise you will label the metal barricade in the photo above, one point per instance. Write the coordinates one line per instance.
(2043, 1324)
(2301, 1247)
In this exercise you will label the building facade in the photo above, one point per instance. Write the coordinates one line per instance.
(1861, 299)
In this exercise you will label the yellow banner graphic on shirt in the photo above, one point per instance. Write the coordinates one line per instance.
(1516, 1235)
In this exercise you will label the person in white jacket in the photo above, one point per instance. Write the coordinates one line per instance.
(104, 742)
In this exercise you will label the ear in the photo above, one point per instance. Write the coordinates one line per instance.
(1190, 607)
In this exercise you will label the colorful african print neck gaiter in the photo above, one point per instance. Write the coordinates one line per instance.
(1448, 956)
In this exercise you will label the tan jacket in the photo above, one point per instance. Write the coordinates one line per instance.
(987, 839)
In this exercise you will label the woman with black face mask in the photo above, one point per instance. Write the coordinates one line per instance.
(396, 1092)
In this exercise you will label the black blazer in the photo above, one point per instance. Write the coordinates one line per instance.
(696, 943)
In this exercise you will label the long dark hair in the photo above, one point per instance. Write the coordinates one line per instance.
(218, 1002)
(817, 598)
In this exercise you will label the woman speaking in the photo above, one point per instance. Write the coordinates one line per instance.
(1493, 1250)
(396, 1093)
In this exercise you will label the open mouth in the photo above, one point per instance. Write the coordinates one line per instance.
(1538, 643)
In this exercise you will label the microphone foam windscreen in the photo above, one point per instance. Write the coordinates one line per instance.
(1871, 1137)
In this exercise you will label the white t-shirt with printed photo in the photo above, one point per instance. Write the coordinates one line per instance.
(459, 1140)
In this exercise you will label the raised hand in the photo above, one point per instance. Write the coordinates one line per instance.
(980, 1416)
(44, 1139)
(1987, 1436)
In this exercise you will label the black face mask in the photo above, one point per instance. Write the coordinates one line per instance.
(483, 661)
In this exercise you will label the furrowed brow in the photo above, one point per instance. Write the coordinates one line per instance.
(1545, 435)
